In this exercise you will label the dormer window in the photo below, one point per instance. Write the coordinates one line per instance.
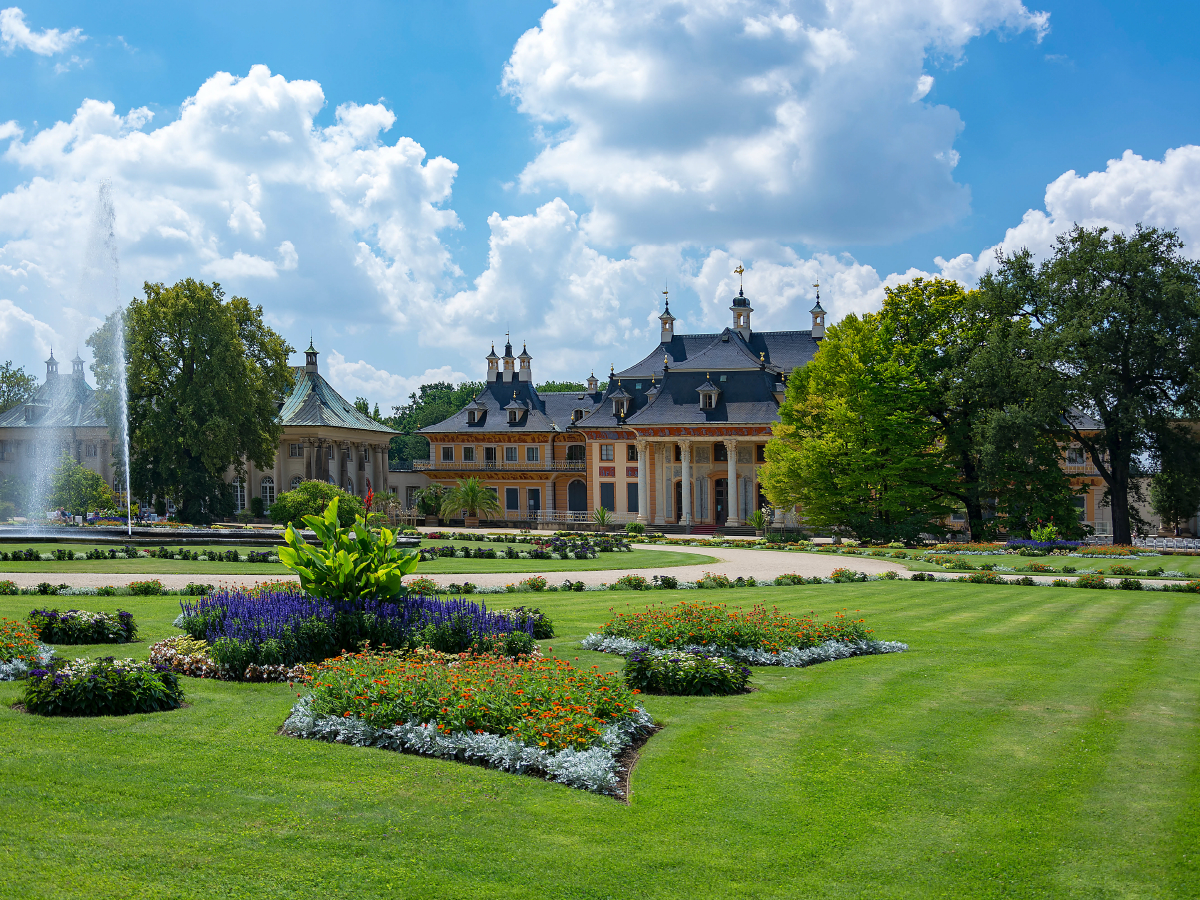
(708, 394)
(513, 415)
(470, 417)
(577, 415)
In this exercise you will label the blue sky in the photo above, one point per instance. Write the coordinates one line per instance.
(628, 145)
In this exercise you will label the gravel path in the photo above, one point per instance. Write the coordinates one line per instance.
(762, 564)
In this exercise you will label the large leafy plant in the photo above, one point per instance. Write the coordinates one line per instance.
(351, 563)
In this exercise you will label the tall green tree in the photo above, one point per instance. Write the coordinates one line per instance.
(77, 488)
(855, 446)
(988, 400)
(204, 376)
(15, 385)
(548, 387)
(1117, 333)
(430, 404)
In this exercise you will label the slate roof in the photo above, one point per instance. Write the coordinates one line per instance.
(745, 398)
(782, 351)
(314, 402)
(62, 401)
(550, 411)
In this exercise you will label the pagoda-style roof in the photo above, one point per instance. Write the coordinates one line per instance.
(313, 402)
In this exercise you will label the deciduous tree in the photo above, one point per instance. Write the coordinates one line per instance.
(15, 385)
(205, 376)
(77, 488)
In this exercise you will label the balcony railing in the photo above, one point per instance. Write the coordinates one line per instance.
(550, 465)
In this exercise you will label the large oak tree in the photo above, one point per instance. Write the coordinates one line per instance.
(205, 377)
(1116, 333)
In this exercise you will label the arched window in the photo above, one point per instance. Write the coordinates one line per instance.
(349, 485)
(575, 452)
(295, 483)
(239, 495)
(267, 490)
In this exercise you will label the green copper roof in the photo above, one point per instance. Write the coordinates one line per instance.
(313, 402)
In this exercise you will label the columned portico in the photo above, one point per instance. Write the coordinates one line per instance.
(661, 482)
(733, 516)
(643, 452)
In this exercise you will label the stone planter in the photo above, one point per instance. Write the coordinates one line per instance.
(758, 533)
(471, 522)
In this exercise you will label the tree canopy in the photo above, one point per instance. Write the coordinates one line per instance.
(430, 404)
(77, 488)
(15, 385)
(310, 498)
(550, 387)
(204, 376)
(1116, 325)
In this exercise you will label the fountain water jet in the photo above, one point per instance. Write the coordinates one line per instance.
(101, 279)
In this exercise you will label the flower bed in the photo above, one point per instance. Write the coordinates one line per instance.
(20, 650)
(685, 674)
(101, 687)
(31, 554)
(286, 627)
(533, 715)
(188, 656)
(77, 626)
(757, 637)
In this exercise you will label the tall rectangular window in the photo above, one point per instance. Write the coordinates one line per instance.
(631, 454)
(489, 454)
(512, 499)
(608, 494)
(760, 453)
(447, 453)
(295, 450)
(606, 452)
(534, 496)
(631, 497)
(510, 455)
(532, 454)
(468, 454)
(90, 450)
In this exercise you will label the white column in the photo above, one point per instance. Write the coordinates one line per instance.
(643, 452)
(733, 510)
(660, 481)
(685, 452)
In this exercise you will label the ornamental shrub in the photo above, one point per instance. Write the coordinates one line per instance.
(534, 583)
(788, 579)
(20, 650)
(630, 583)
(151, 588)
(312, 498)
(77, 626)
(666, 582)
(423, 587)
(685, 674)
(101, 687)
(713, 580)
(569, 585)
(635, 528)
(1095, 582)
(1129, 584)
(542, 627)
(922, 576)
(1123, 570)
(8, 587)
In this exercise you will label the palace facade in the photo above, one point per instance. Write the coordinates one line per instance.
(676, 439)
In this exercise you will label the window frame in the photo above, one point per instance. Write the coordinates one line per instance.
(468, 453)
(511, 454)
(533, 453)
(607, 452)
(447, 453)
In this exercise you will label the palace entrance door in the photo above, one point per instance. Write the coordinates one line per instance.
(678, 501)
(721, 491)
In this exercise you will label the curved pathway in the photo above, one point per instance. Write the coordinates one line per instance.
(764, 565)
(761, 564)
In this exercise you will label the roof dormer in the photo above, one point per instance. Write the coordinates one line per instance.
(515, 409)
(475, 412)
(620, 401)
(709, 394)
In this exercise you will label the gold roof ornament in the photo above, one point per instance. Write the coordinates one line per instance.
(739, 271)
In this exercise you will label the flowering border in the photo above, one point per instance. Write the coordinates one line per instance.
(15, 669)
(792, 657)
(596, 769)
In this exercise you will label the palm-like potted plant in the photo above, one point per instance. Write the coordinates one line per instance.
(758, 519)
(472, 496)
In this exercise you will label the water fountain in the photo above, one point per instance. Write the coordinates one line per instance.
(101, 281)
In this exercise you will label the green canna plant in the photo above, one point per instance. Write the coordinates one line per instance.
(351, 563)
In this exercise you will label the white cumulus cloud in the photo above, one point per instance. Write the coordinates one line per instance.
(725, 120)
(361, 379)
(16, 34)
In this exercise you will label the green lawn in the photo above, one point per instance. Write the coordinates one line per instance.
(1189, 565)
(1032, 743)
(634, 559)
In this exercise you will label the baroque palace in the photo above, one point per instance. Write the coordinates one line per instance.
(674, 440)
